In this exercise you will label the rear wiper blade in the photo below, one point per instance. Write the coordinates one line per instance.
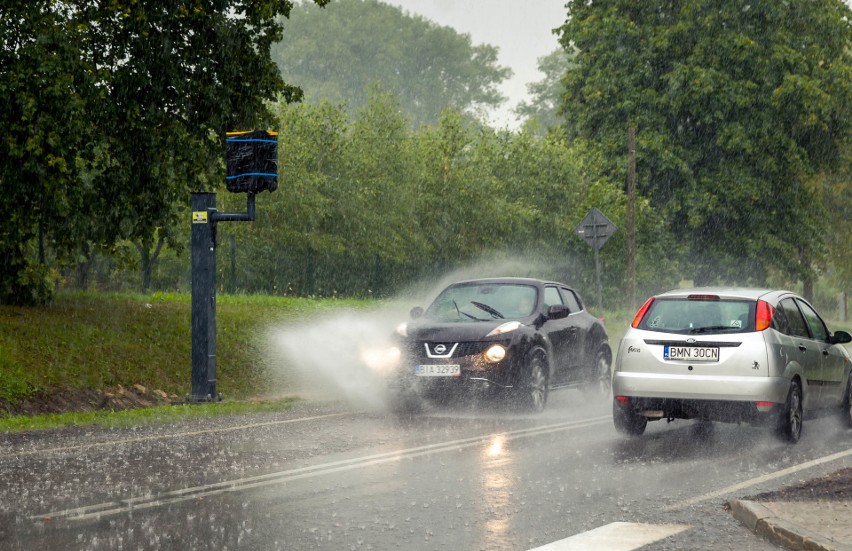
(697, 330)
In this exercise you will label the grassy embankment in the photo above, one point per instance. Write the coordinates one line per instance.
(103, 341)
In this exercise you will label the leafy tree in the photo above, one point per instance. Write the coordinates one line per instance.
(48, 151)
(119, 109)
(735, 106)
(546, 94)
(338, 53)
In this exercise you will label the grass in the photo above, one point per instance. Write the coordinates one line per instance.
(140, 416)
(99, 341)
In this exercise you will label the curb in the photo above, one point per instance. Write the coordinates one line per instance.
(777, 530)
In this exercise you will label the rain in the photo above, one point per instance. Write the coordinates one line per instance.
(411, 310)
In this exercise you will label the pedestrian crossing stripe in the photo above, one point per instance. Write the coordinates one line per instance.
(617, 536)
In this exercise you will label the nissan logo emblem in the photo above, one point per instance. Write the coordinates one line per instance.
(440, 349)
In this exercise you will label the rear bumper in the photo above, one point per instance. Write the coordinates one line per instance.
(700, 387)
(719, 398)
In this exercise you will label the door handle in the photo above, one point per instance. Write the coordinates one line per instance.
(802, 347)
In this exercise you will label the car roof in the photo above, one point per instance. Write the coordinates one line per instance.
(509, 280)
(727, 292)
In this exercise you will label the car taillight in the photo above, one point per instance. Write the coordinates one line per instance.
(763, 316)
(641, 313)
(623, 401)
(703, 297)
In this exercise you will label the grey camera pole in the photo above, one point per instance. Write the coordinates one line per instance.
(205, 217)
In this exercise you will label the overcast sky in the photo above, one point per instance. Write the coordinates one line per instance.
(522, 30)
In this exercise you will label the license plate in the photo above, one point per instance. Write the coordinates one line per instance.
(691, 353)
(439, 370)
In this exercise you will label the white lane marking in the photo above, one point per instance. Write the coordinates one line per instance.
(164, 436)
(755, 481)
(145, 502)
(618, 536)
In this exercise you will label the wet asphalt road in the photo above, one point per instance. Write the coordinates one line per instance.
(324, 476)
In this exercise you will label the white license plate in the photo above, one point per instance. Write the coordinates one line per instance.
(438, 370)
(691, 353)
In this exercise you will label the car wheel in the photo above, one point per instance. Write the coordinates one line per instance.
(601, 377)
(627, 421)
(847, 403)
(532, 393)
(790, 418)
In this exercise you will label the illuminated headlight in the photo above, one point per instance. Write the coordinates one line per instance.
(402, 329)
(381, 360)
(495, 353)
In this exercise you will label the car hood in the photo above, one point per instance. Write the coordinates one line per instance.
(457, 331)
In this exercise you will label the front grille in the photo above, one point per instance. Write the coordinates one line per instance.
(463, 348)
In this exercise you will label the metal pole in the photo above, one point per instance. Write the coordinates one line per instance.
(597, 267)
(203, 252)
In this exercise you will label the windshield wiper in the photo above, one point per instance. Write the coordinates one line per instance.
(488, 309)
(464, 313)
(712, 328)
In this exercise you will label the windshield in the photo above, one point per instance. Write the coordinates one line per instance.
(693, 317)
(483, 302)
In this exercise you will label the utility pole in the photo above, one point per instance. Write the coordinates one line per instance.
(631, 218)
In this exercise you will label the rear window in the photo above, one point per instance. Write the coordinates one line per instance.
(692, 317)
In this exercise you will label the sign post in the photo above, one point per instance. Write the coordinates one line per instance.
(595, 229)
(252, 162)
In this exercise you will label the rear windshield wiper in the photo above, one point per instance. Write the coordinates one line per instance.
(712, 328)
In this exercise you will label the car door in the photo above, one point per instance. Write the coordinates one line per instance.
(803, 349)
(580, 328)
(831, 369)
(560, 333)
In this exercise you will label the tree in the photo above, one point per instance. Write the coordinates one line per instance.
(735, 106)
(49, 152)
(117, 111)
(546, 94)
(339, 53)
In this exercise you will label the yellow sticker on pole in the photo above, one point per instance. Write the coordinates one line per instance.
(199, 217)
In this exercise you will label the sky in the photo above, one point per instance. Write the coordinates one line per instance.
(522, 30)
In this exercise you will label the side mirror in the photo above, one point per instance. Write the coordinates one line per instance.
(841, 337)
(416, 312)
(557, 311)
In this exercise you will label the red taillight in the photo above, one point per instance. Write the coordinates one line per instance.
(764, 404)
(623, 401)
(763, 316)
(641, 313)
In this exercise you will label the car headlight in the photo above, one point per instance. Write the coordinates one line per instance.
(402, 329)
(505, 328)
(381, 360)
(495, 353)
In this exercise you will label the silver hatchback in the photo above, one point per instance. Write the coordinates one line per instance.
(732, 355)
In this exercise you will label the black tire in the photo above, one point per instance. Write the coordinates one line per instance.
(627, 421)
(846, 412)
(601, 377)
(789, 426)
(532, 392)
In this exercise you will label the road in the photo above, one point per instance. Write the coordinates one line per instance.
(325, 476)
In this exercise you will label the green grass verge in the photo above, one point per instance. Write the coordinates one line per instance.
(99, 341)
(141, 416)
